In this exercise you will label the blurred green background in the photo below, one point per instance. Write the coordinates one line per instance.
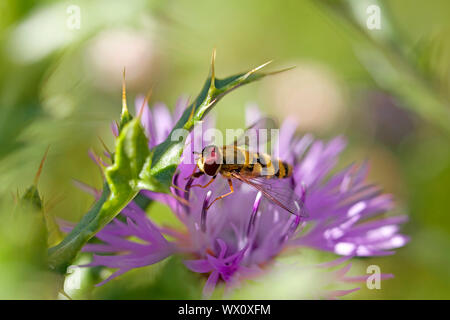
(386, 90)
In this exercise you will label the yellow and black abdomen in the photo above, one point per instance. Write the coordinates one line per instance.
(265, 166)
(284, 170)
(254, 164)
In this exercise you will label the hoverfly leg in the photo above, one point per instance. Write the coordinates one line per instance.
(230, 183)
(180, 199)
(206, 185)
(178, 188)
(194, 174)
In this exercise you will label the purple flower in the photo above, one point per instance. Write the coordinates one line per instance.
(240, 236)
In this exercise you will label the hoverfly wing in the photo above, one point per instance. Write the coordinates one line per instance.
(257, 134)
(278, 192)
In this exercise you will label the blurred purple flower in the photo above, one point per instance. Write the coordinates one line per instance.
(386, 118)
(241, 235)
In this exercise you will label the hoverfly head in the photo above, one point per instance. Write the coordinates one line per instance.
(210, 160)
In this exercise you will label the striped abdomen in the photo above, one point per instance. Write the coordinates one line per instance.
(253, 164)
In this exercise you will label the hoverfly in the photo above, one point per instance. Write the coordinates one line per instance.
(256, 169)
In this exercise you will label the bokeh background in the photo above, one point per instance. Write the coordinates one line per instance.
(386, 90)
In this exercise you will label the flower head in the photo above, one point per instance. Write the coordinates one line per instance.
(240, 236)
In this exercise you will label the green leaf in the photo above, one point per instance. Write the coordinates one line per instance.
(32, 197)
(119, 189)
(135, 167)
(125, 116)
(33, 202)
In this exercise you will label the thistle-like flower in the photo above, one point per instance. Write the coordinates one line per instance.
(240, 236)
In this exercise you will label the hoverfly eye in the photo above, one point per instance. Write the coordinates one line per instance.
(211, 155)
(211, 160)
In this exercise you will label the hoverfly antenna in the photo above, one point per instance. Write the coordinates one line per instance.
(198, 155)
